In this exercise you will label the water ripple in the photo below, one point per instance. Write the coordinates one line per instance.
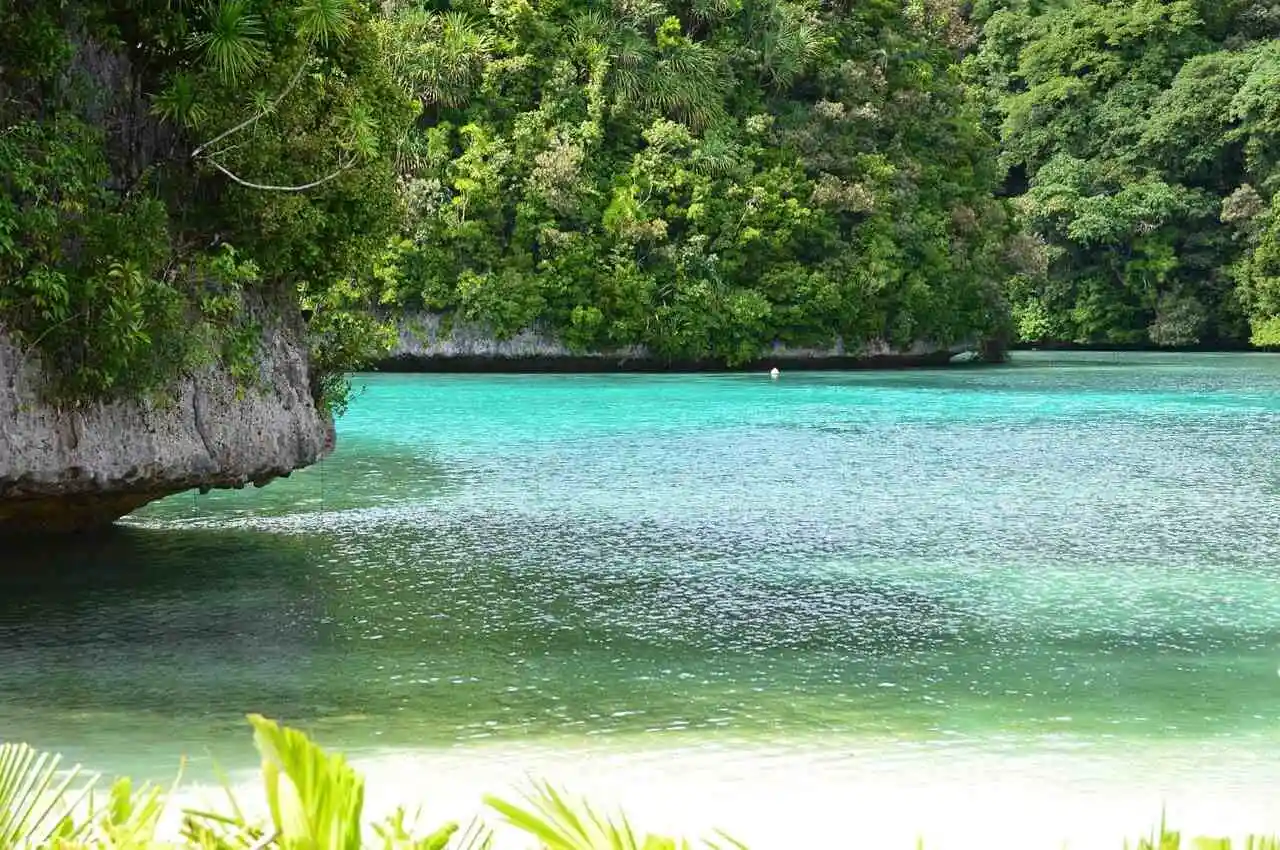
(1079, 554)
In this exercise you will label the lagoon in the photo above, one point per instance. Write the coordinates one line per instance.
(890, 597)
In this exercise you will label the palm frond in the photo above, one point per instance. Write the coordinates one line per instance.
(687, 83)
(788, 40)
(36, 799)
(476, 836)
(442, 56)
(130, 818)
(631, 57)
(464, 35)
(233, 42)
(360, 131)
(323, 21)
(213, 831)
(643, 13)
(178, 102)
(559, 823)
(713, 11)
(717, 156)
(315, 799)
(592, 25)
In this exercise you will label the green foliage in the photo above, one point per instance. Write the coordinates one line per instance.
(1259, 271)
(703, 181)
(345, 331)
(129, 820)
(270, 125)
(315, 799)
(231, 44)
(78, 262)
(316, 802)
(706, 180)
(558, 823)
(36, 798)
(1146, 136)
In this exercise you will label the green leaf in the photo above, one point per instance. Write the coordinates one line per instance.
(315, 799)
(325, 21)
(35, 801)
(233, 43)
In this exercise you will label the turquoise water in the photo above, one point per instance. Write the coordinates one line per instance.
(1072, 552)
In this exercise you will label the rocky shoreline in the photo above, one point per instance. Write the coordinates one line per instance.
(66, 469)
(431, 343)
(599, 364)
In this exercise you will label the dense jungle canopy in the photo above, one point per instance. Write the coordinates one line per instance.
(1140, 141)
(701, 177)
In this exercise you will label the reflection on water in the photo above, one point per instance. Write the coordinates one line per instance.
(1070, 557)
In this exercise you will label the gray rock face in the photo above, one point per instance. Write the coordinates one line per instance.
(76, 469)
(427, 343)
(430, 337)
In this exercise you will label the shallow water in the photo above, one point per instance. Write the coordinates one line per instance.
(1060, 572)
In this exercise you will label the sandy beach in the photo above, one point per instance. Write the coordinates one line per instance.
(878, 794)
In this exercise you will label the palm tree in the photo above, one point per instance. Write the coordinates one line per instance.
(439, 57)
(685, 79)
(786, 38)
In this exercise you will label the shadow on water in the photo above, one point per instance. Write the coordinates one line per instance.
(124, 557)
(178, 631)
(645, 590)
(361, 473)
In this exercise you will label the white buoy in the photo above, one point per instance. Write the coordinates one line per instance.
(774, 373)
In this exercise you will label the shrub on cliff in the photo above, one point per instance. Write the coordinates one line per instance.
(138, 141)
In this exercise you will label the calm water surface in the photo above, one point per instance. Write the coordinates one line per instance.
(1072, 554)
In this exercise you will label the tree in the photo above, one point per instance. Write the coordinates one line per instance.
(139, 141)
(702, 179)
(1125, 129)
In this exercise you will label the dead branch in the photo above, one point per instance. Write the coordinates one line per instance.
(261, 114)
(301, 188)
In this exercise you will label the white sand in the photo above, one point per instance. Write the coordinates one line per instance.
(872, 795)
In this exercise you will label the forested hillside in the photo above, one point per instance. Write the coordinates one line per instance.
(703, 177)
(1141, 140)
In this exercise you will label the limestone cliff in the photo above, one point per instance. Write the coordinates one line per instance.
(64, 469)
(427, 343)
